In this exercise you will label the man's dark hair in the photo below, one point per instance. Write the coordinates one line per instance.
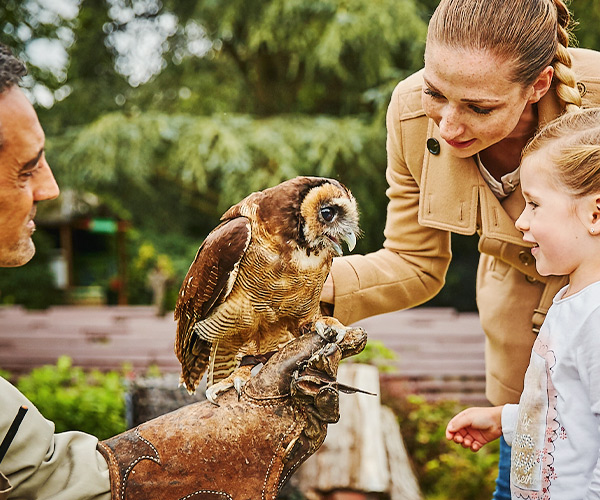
(11, 69)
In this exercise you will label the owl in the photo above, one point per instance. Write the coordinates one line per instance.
(256, 280)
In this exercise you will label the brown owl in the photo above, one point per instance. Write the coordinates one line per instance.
(257, 278)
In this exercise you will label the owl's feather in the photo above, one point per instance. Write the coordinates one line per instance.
(258, 276)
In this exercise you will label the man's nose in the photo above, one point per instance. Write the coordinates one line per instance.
(46, 187)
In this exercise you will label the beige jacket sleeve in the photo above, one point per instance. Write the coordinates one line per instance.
(411, 267)
(42, 465)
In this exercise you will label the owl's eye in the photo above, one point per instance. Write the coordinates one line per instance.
(328, 213)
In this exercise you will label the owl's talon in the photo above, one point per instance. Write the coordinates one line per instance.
(238, 384)
(330, 329)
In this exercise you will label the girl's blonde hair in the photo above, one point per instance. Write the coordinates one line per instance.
(572, 142)
(532, 33)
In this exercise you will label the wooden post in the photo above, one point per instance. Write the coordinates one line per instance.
(364, 451)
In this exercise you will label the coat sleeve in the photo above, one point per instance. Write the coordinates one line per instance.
(411, 267)
(41, 464)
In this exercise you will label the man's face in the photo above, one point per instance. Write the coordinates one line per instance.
(25, 177)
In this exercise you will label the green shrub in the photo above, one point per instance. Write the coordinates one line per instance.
(73, 399)
(444, 469)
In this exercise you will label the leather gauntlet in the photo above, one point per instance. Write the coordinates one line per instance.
(248, 446)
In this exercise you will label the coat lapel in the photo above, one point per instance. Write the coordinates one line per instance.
(453, 191)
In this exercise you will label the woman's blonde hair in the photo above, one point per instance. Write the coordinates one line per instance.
(572, 143)
(532, 33)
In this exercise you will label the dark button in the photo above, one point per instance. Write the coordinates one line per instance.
(530, 279)
(581, 88)
(526, 258)
(433, 146)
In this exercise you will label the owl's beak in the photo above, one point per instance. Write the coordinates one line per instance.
(350, 239)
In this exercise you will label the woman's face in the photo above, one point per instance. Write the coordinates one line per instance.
(470, 96)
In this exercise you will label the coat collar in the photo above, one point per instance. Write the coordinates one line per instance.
(454, 197)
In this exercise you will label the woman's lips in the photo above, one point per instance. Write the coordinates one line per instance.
(460, 144)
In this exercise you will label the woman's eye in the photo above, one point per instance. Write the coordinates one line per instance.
(432, 93)
(481, 111)
(328, 213)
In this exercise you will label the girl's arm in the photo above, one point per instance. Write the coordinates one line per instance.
(475, 427)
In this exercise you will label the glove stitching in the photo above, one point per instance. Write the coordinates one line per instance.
(226, 495)
(260, 404)
(287, 433)
(293, 468)
(137, 460)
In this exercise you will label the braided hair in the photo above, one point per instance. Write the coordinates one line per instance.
(534, 34)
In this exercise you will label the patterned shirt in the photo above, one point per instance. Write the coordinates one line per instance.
(554, 431)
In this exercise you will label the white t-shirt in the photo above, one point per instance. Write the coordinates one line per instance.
(554, 431)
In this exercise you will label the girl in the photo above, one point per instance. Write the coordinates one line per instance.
(555, 428)
(494, 72)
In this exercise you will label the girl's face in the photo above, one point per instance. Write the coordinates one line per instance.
(557, 225)
(470, 96)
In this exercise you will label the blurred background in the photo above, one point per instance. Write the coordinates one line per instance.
(159, 115)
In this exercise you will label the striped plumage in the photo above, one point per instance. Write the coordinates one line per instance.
(257, 278)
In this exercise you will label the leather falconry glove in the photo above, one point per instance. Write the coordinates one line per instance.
(247, 446)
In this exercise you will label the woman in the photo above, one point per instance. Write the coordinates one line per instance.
(495, 71)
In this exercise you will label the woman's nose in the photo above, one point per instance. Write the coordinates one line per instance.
(451, 126)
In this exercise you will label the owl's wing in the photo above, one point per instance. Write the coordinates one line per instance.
(208, 282)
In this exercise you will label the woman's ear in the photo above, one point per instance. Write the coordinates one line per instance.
(541, 85)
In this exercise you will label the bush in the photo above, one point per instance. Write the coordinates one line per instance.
(444, 469)
(73, 399)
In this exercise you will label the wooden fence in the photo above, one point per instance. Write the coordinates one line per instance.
(440, 352)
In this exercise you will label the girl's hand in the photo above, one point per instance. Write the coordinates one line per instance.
(475, 427)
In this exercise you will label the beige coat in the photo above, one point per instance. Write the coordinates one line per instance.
(41, 464)
(434, 195)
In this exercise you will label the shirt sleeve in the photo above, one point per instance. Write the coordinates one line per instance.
(509, 422)
(41, 464)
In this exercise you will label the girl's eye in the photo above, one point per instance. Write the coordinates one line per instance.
(532, 205)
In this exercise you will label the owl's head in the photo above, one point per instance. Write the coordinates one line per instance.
(328, 217)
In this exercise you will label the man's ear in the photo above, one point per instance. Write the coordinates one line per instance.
(541, 85)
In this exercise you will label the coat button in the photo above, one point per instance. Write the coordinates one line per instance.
(526, 258)
(433, 146)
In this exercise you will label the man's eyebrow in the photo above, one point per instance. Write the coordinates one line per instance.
(33, 162)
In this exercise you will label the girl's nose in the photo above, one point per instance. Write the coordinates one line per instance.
(521, 222)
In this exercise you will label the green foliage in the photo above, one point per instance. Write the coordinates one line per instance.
(297, 56)
(444, 469)
(31, 285)
(189, 170)
(75, 400)
(377, 354)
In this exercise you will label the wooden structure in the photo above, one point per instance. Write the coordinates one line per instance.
(440, 352)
